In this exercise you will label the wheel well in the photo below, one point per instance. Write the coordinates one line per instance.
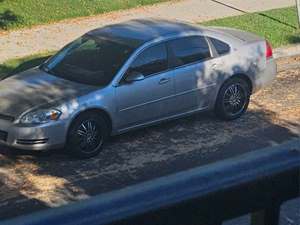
(245, 78)
(101, 112)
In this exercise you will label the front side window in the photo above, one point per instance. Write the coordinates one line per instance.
(151, 61)
(90, 60)
(189, 50)
(221, 47)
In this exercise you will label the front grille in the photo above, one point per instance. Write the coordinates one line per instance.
(3, 135)
(6, 117)
(32, 142)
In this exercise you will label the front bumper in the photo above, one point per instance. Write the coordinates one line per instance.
(41, 137)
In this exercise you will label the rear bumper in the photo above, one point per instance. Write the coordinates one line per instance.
(37, 138)
(266, 76)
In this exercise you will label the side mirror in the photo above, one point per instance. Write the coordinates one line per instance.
(134, 76)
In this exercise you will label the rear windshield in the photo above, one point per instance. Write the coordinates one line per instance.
(90, 60)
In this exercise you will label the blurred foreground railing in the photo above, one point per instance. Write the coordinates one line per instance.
(257, 182)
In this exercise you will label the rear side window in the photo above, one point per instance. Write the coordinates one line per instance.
(221, 47)
(189, 50)
(152, 60)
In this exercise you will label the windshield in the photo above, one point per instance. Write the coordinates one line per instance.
(90, 60)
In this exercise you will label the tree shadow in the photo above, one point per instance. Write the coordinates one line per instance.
(7, 18)
(5, 71)
(55, 180)
(294, 39)
(258, 13)
(133, 157)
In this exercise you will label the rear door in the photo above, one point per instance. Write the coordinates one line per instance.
(149, 99)
(192, 72)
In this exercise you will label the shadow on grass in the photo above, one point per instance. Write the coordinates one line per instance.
(294, 39)
(8, 17)
(30, 63)
(7, 70)
(258, 13)
(4, 71)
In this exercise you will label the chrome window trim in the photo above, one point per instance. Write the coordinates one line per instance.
(213, 47)
(118, 78)
(150, 75)
(159, 41)
(198, 61)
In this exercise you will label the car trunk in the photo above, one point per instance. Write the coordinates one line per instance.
(241, 35)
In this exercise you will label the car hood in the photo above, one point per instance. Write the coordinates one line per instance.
(35, 88)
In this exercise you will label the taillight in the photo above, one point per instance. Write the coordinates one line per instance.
(269, 52)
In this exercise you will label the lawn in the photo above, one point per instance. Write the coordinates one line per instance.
(279, 26)
(23, 13)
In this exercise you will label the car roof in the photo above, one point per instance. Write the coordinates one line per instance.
(139, 31)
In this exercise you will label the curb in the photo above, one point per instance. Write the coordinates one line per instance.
(287, 51)
(292, 66)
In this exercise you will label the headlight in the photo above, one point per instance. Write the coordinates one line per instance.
(41, 116)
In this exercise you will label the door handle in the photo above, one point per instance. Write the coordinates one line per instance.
(164, 80)
(217, 65)
(214, 66)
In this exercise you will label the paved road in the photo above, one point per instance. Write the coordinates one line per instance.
(30, 182)
(52, 37)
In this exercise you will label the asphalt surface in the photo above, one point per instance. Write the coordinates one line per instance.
(31, 182)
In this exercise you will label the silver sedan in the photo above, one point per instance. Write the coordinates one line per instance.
(129, 75)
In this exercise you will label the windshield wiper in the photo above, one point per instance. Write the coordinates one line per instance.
(45, 68)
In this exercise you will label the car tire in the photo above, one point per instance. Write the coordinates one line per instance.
(233, 99)
(87, 135)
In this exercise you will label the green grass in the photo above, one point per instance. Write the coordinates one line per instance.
(23, 13)
(279, 26)
(21, 64)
